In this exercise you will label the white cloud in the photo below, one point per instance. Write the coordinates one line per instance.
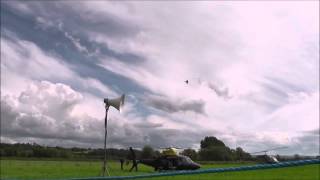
(25, 60)
(29, 60)
(76, 43)
(300, 114)
(46, 111)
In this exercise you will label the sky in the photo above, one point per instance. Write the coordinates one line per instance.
(252, 68)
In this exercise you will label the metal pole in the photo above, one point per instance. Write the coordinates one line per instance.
(104, 168)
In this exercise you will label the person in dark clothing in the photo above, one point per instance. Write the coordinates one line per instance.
(133, 158)
(121, 162)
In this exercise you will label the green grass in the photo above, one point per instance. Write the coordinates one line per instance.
(24, 169)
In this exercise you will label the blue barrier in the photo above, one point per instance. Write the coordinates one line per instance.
(212, 170)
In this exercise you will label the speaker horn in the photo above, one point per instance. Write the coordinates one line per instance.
(116, 102)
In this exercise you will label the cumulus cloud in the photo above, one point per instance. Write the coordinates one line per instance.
(44, 110)
(43, 113)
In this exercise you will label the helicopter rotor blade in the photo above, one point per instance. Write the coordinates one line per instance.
(258, 152)
(284, 147)
(171, 147)
(265, 151)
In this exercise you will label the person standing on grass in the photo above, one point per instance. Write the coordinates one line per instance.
(121, 162)
(133, 158)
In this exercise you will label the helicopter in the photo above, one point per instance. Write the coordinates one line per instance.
(170, 160)
(268, 158)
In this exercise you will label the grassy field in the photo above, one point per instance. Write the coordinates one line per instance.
(25, 169)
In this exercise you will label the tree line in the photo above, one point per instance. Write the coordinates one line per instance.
(211, 149)
(33, 150)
